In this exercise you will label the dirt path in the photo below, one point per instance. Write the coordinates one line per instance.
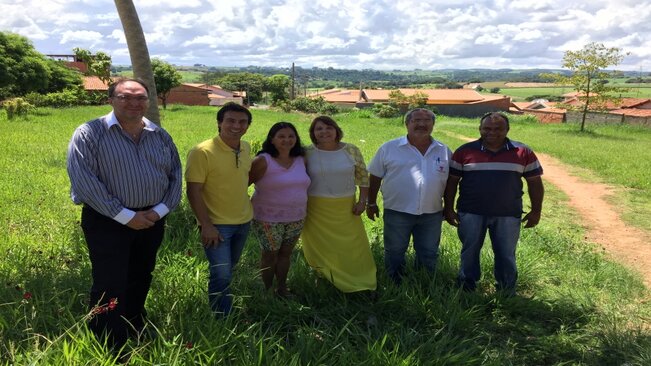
(625, 244)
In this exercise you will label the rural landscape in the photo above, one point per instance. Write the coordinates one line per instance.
(577, 303)
(584, 285)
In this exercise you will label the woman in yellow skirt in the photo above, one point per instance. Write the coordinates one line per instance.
(334, 239)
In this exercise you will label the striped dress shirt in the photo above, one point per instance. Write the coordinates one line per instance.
(112, 174)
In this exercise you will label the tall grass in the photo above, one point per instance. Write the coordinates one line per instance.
(575, 307)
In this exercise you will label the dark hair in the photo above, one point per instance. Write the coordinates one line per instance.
(494, 115)
(329, 122)
(411, 112)
(114, 85)
(233, 107)
(269, 148)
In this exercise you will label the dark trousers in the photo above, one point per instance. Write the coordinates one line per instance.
(122, 261)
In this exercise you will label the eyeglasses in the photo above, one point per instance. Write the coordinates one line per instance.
(128, 98)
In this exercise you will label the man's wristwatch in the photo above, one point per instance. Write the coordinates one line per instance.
(368, 204)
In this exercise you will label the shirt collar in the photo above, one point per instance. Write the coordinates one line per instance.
(507, 145)
(222, 145)
(404, 141)
(110, 120)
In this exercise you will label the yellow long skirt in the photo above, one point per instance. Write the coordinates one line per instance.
(335, 244)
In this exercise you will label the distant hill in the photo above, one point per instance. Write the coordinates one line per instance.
(330, 77)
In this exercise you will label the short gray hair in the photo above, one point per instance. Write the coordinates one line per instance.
(411, 112)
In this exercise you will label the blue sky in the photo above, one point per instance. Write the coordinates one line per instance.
(359, 34)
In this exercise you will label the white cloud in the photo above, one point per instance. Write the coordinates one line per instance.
(388, 34)
(86, 37)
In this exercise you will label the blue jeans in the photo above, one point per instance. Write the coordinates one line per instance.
(504, 232)
(399, 227)
(222, 259)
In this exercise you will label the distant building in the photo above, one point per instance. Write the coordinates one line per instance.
(451, 102)
(71, 61)
(202, 94)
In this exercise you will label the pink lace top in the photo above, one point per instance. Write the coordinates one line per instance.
(281, 194)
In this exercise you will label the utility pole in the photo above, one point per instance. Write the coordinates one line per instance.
(293, 77)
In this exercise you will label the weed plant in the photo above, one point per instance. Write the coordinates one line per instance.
(573, 307)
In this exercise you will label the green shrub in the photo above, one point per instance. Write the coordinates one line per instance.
(17, 107)
(95, 97)
(285, 106)
(67, 98)
(385, 111)
(309, 105)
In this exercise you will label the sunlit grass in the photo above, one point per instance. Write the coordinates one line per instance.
(575, 307)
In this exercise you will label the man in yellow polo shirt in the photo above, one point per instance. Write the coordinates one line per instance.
(217, 176)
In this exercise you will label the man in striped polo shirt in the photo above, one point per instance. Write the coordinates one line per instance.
(489, 174)
(126, 172)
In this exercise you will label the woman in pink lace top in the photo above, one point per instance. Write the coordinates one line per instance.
(279, 202)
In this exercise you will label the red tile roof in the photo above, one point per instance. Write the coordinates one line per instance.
(633, 112)
(609, 105)
(340, 96)
(94, 83)
(434, 96)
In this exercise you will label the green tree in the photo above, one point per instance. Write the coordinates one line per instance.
(166, 78)
(399, 100)
(278, 86)
(251, 84)
(139, 53)
(588, 73)
(24, 70)
(98, 64)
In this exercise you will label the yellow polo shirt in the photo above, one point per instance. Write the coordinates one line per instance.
(225, 178)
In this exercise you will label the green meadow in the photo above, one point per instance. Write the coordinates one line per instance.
(574, 306)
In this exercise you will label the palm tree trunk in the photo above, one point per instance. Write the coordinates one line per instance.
(140, 61)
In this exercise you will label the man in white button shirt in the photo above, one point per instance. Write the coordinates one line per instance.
(412, 171)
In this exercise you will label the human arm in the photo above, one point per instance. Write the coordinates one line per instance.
(210, 236)
(361, 178)
(172, 195)
(536, 194)
(449, 195)
(372, 211)
(360, 205)
(258, 168)
(82, 164)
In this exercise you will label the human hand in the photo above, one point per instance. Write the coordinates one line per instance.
(210, 236)
(358, 208)
(531, 219)
(372, 212)
(152, 215)
(451, 216)
(140, 221)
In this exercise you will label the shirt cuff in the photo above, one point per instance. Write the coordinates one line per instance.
(161, 209)
(124, 216)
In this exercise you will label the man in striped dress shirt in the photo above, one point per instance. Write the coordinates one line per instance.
(126, 172)
(489, 174)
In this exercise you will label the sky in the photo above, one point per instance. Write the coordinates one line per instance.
(351, 34)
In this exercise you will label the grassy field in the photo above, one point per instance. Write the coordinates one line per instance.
(574, 306)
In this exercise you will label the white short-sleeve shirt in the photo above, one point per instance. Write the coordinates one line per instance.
(412, 182)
